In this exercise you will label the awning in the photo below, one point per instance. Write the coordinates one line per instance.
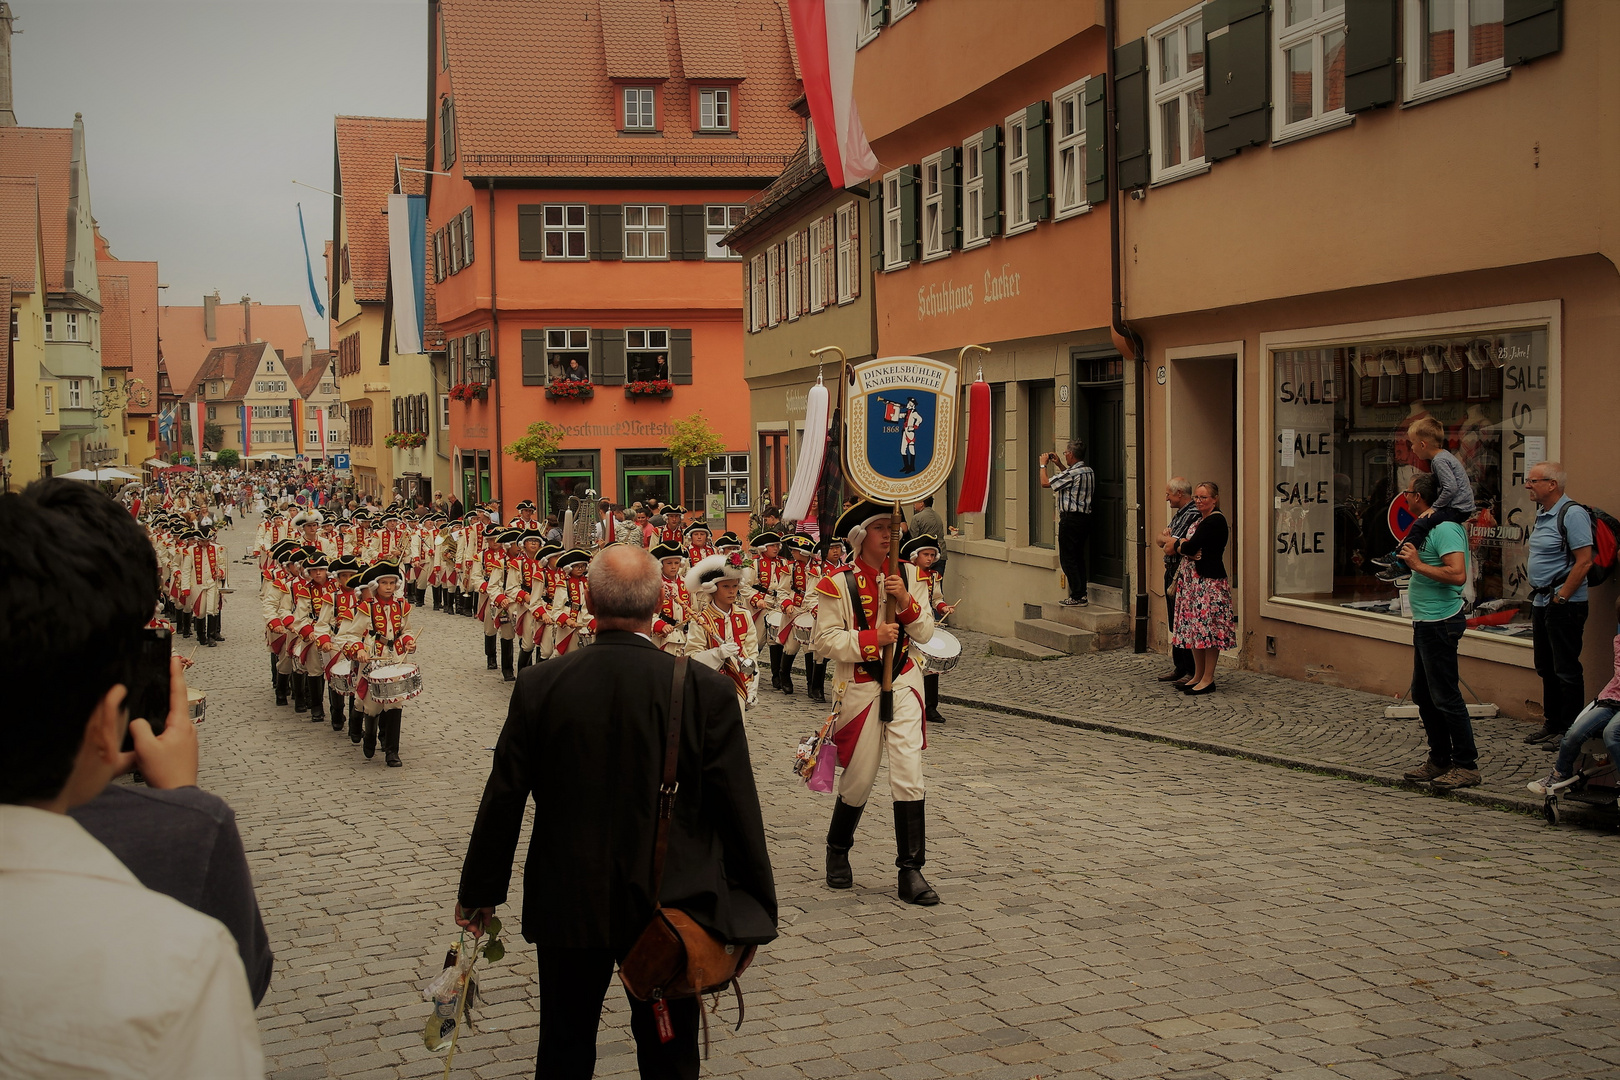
(155, 463)
(99, 474)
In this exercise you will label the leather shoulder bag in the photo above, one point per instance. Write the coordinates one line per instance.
(675, 957)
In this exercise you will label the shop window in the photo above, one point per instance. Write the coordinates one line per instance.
(644, 476)
(565, 231)
(1308, 66)
(646, 232)
(647, 354)
(571, 476)
(1451, 45)
(568, 355)
(730, 485)
(1341, 413)
(1176, 119)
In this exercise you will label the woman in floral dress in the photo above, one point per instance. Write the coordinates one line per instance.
(1205, 622)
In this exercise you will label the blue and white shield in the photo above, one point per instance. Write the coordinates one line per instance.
(900, 431)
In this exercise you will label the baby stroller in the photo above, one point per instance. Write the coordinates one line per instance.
(1591, 786)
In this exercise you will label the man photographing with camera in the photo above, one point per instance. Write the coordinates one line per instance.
(114, 979)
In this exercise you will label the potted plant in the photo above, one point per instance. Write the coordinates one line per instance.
(570, 390)
(659, 388)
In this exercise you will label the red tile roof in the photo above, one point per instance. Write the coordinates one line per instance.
(309, 379)
(185, 345)
(533, 93)
(47, 155)
(633, 39)
(367, 147)
(19, 231)
(115, 337)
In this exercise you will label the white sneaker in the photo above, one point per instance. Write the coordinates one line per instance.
(1552, 785)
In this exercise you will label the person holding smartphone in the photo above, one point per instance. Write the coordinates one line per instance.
(130, 982)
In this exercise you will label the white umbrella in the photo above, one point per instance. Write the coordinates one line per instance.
(101, 474)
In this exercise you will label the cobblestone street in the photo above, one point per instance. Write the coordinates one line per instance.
(1112, 907)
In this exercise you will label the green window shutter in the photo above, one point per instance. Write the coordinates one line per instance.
(1531, 29)
(531, 232)
(604, 232)
(1372, 42)
(1096, 106)
(534, 357)
(950, 198)
(910, 248)
(680, 357)
(686, 232)
(1237, 64)
(990, 167)
(876, 208)
(1131, 116)
(607, 357)
(1038, 139)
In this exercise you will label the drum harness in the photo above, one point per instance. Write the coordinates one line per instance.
(874, 668)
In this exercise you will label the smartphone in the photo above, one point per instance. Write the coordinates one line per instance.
(149, 683)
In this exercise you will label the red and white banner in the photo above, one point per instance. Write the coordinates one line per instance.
(320, 424)
(975, 494)
(197, 428)
(824, 32)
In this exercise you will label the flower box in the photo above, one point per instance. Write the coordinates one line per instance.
(654, 388)
(469, 391)
(407, 440)
(570, 390)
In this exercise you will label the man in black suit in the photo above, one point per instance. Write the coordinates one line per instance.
(585, 736)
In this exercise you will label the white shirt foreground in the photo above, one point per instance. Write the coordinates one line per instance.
(101, 977)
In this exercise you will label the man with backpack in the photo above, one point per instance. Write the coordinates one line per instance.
(1561, 554)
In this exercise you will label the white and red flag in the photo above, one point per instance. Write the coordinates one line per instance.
(824, 32)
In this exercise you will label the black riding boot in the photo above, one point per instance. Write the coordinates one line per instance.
(840, 838)
(438, 598)
(821, 681)
(275, 676)
(911, 847)
(300, 693)
(282, 682)
(787, 675)
(506, 659)
(489, 651)
(810, 675)
(369, 745)
(469, 605)
(185, 624)
(317, 700)
(214, 636)
(525, 658)
(776, 667)
(354, 720)
(391, 722)
(336, 708)
(931, 699)
(201, 623)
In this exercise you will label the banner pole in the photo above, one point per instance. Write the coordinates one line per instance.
(891, 612)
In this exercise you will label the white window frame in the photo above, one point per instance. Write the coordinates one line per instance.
(847, 268)
(1015, 176)
(645, 104)
(873, 19)
(773, 285)
(1310, 32)
(893, 230)
(652, 239)
(564, 228)
(1417, 90)
(973, 193)
(50, 326)
(899, 9)
(467, 237)
(50, 398)
(444, 417)
(793, 278)
(75, 393)
(1069, 151)
(714, 104)
(812, 148)
(731, 216)
(574, 339)
(1191, 80)
(71, 318)
(933, 181)
(756, 279)
(818, 267)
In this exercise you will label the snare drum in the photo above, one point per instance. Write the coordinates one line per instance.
(196, 704)
(773, 623)
(342, 676)
(804, 626)
(393, 683)
(940, 653)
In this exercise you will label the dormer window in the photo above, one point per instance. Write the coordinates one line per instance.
(714, 109)
(640, 112)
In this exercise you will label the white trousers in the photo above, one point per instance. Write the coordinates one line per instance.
(902, 737)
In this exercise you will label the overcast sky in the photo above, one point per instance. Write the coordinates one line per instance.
(199, 114)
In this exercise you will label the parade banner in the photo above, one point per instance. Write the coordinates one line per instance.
(900, 427)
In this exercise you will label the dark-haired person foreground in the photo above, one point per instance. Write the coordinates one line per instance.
(585, 737)
(105, 977)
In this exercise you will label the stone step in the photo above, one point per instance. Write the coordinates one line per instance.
(1094, 617)
(1106, 597)
(1054, 635)
(1022, 650)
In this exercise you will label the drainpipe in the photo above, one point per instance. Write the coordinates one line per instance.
(1128, 339)
(495, 343)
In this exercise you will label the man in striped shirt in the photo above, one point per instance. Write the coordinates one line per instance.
(1073, 489)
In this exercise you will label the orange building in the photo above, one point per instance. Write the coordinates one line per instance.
(596, 152)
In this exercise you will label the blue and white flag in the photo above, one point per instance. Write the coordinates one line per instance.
(309, 267)
(407, 268)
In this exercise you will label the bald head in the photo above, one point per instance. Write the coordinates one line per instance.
(625, 588)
